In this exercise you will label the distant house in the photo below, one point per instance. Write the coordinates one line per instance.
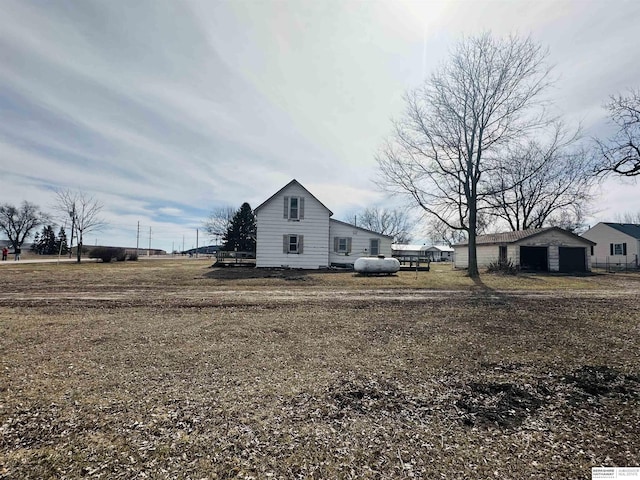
(295, 230)
(550, 249)
(616, 244)
(400, 250)
(440, 253)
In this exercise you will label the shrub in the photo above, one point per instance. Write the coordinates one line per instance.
(133, 257)
(106, 254)
(122, 256)
(506, 267)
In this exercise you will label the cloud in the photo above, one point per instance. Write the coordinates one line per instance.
(167, 110)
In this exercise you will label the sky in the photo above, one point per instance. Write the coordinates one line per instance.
(166, 110)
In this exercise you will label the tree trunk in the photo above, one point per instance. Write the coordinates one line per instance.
(473, 255)
(79, 252)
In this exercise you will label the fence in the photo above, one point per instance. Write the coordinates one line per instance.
(615, 265)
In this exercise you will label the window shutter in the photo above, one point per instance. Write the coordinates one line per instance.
(301, 208)
(611, 249)
(348, 244)
(300, 243)
(286, 207)
(335, 244)
(285, 244)
(624, 248)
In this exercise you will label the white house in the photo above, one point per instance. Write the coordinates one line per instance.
(401, 250)
(550, 249)
(295, 230)
(616, 243)
(440, 253)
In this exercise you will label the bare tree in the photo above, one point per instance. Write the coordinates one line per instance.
(219, 222)
(393, 222)
(439, 232)
(628, 217)
(83, 211)
(18, 223)
(448, 144)
(621, 152)
(543, 183)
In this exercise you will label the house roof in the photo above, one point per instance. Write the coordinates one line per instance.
(631, 229)
(358, 228)
(292, 182)
(513, 237)
(407, 248)
(441, 248)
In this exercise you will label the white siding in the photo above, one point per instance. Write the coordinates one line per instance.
(437, 253)
(604, 236)
(486, 254)
(359, 243)
(271, 226)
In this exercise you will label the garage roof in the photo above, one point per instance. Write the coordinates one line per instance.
(513, 237)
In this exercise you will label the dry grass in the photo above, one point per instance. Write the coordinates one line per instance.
(170, 369)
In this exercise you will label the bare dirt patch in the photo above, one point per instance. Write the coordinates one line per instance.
(164, 371)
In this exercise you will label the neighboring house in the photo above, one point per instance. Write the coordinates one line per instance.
(549, 249)
(616, 243)
(440, 253)
(399, 250)
(295, 230)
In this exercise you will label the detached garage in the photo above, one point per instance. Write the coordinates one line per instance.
(550, 249)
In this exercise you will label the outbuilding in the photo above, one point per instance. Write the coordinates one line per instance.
(550, 249)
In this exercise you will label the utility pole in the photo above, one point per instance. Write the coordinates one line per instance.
(172, 250)
(149, 251)
(196, 243)
(138, 239)
(64, 229)
(183, 244)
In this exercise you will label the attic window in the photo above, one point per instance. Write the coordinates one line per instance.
(294, 208)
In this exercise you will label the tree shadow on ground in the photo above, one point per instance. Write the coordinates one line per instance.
(481, 292)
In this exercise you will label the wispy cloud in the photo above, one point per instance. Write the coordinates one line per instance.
(165, 110)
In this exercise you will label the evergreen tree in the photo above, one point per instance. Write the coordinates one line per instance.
(241, 234)
(62, 241)
(45, 243)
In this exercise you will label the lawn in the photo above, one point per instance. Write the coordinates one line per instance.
(172, 369)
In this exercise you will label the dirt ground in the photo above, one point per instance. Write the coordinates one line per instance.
(171, 369)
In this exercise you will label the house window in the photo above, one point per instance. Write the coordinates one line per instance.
(292, 244)
(617, 248)
(342, 245)
(374, 246)
(294, 208)
(592, 250)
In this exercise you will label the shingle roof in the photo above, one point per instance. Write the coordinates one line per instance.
(358, 228)
(512, 237)
(404, 248)
(631, 229)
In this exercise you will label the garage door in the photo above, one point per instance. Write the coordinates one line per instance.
(572, 259)
(534, 258)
